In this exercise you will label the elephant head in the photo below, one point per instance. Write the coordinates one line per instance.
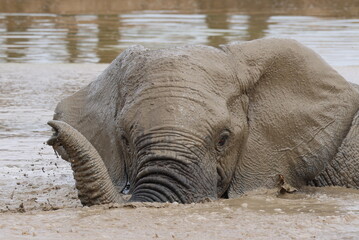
(195, 122)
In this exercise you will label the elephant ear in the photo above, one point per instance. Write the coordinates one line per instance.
(300, 109)
(92, 111)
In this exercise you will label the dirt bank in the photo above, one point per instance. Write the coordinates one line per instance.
(299, 7)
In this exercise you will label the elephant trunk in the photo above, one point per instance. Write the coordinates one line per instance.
(160, 184)
(171, 169)
(93, 182)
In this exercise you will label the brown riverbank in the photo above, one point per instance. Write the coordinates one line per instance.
(348, 8)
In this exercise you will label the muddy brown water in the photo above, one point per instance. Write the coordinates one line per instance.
(38, 199)
(48, 50)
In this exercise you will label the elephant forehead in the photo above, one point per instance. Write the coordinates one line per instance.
(201, 67)
(174, 109)
(180, 86)
(174, 92)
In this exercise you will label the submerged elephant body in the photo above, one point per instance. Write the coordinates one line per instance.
(190, 123)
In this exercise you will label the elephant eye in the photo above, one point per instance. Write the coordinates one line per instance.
(222, 140)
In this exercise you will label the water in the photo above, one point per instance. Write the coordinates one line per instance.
(29, 170)
(99, 38)
(48, 50)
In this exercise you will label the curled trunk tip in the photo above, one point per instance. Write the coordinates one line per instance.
(93, 182)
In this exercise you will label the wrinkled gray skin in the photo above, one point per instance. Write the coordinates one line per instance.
(190, 123)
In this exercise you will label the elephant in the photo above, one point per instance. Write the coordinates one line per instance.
(194, 123)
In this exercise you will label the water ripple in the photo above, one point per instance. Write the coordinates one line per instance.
(100, 38)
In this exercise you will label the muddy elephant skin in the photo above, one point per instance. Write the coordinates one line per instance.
(192, 123)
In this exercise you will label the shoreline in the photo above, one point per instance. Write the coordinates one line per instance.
(280, 7)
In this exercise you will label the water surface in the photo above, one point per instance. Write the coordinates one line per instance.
(99, 38)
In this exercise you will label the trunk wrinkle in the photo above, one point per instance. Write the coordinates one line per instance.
(161, 182)
(150, 159)
(160, 171)
(158, 186)
(155, 195)
(152, 187)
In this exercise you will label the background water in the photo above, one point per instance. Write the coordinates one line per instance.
(57, 44)
(86, 31)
